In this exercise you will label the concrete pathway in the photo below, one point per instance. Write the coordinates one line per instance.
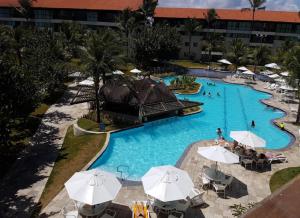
(21, 189)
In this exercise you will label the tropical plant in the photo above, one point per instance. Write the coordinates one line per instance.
(238, 209)
(292, 63)
(280, 54)
(102, 54)
(183, 82)
(260, 56)
(25, 8)
(191, 25)
(254, 6)
(147, 10)
(238, 52)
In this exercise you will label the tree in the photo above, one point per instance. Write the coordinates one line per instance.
(260, 56)
(211, 16)
(159, 42)
(25, 8)
(292, 63)
(147, 10)
(254, 6)
(237, 52)
(102, 54)
(191, 25)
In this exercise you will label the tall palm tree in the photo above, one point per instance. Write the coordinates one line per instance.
(25, 8)
(237, 52)
(292, 63)
(191, 25)
(102, 54)
(211, 16)
(254, 6)
(260, 56)
(148, 8)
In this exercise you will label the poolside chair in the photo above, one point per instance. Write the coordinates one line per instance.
(220, 188)
(195, 197)
(228, 181)
(109, 213)
(176, 214)
(205, 182)
(275, 158)
(260, 163)
(247, 162)
(69, 214)
(140, 209)
(182, 205)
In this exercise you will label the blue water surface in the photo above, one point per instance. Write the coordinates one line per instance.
(163, 141)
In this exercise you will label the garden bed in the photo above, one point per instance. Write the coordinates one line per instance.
(282, 177)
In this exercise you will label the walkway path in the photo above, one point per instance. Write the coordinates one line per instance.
(248, 186)
(22, 188)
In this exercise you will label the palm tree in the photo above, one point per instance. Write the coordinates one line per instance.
(25, 8)
(101, 54)
(191, 25)
(260, 56)
(211, 16)
(255, 5)
(148, 8)
(237, 52)
(292, 63)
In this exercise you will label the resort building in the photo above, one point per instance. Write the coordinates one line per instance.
(270, 28)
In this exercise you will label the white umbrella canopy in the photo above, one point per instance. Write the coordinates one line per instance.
(248, 138)
(93, 186)
(167, 183)
(135, 71)
(243, 68)
(88, 82)
(285, 74)
(274, 76)
(218, 154)
(118, 72)
(248, 72)
(287, 88)
(273, 66)
(267, 72)
(224, 61)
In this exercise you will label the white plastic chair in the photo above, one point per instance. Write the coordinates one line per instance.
(220, 188)
(69, 214)
(196, 197)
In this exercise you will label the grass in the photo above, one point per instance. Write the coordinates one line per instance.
(88, 124)
(75, 153)
(189, 64)
(282, 177)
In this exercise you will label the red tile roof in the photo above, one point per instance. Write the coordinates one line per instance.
(229, 14)
(80, 4)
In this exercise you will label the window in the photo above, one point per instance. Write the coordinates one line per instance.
(244, 26)
(187, 44)
(298, 29)
(284, 28)
(195, 44)
(43, 14)
(4, 12)
(92, 16)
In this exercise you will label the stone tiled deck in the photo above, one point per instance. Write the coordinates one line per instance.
(248, 186)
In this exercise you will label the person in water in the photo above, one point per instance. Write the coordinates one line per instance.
(219, 132)
(218, 94)
(252, 124)
(209, 95)
(204, 93)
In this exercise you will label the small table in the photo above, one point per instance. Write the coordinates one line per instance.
(214, 175)
(86, 210)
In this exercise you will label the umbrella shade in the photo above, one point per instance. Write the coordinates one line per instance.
(273, 66)
(118, 72)
(218, 154)
(248, 138)
(135, 71)
(167, 183)
(267, 72)
(243, 68)
(86, 82)
(248, 72)
(287, 88)
(274, 76)
(93, 187)
(285, 74)
(224, 61)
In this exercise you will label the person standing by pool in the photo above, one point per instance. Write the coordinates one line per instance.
(252, 124)
(219, 132)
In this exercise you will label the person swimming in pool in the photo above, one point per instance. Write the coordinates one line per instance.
(218, 94)
(252, 124)
(204, 93)
(209, 94)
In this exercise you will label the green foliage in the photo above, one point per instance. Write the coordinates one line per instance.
(239, 209)
(238, 52)
(259, 56)
(183, 82)
(282, 177)
(159, 42)
(191, 25)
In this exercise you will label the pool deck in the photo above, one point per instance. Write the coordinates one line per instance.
(248, 185)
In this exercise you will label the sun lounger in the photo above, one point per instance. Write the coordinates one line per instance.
(195, 197)
(220, 188)
(140, 209)
(271, 157)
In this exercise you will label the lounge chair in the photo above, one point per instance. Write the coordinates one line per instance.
(69, 214)
(140, 209)
(195, 197)
(108, 213)
(220, 188)
(271, 157)
(247, 162)
(176, 214)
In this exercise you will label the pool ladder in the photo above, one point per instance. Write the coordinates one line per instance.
(122, 169)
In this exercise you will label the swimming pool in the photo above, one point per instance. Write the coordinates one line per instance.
(163, 141)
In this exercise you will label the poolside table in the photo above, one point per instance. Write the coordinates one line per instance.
(214, 175)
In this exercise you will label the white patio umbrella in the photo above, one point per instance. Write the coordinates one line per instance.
(118, 72)
(267, 72)
(287, 88)
(248, 72)
(167, 183)
(273, 66)
(285, 74)
(248, 138)
(135, 71)
(274, 76)
(243, 69)
(93, 186)
(224, 61)
(88, 82)
(218, 154)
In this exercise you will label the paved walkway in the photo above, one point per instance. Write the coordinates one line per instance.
(22, 188)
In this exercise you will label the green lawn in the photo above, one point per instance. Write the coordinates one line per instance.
(282, 177)
(75, 153)
(189, 64)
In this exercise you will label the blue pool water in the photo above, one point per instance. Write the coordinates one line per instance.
(163, 141)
